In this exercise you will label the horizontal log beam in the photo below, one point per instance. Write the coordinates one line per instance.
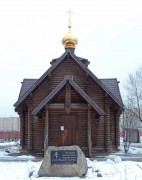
(73, 106)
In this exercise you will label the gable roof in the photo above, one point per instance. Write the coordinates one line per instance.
(77, 59)
(76, 87)
(110, 83)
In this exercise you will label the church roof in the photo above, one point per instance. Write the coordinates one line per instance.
(26, 85)
(76, 87)
(111, 88)
(112, 85)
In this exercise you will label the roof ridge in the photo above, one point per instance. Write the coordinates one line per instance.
(107, 78)
(30, 79)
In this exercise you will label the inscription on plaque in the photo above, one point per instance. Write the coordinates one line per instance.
(64, 157)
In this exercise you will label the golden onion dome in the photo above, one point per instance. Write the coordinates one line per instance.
(69, 40)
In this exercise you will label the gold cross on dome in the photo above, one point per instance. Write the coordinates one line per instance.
(69, 19)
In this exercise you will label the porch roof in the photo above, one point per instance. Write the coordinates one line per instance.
(77, 89)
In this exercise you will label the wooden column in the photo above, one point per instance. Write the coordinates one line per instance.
(22, 141)
(46, 129)
(68, 99)
(89, 131)
(108, 144)
(29, 133)
(117, 129)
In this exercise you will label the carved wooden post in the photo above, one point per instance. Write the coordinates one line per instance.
(89, 131)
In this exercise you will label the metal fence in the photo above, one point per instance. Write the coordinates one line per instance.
(9, 129)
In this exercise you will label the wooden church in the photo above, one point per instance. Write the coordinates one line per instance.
(69, 105)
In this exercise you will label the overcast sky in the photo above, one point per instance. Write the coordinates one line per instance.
(109, 34)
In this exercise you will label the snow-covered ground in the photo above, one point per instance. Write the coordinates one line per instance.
(8, 148)
(113, 168)
(107, 169)
(135, 148)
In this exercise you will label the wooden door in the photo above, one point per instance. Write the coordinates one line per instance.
(68, 130)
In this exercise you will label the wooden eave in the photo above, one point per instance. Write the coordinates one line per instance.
(77, 59)
(58, 88)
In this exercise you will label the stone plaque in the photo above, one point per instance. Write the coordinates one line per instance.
(63, 161)
(64, 157)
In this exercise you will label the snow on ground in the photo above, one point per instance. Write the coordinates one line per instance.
(6, 149)
(113, 168)
(8, 144)
(135, 148)
(107, 169)
(10, 147)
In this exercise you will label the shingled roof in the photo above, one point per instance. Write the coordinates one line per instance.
(103, 84)
(112, 85)
(26, 85)
(77, 89)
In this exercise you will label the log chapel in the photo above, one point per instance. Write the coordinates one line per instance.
(69, 105)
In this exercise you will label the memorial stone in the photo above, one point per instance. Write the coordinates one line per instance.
(63, 161)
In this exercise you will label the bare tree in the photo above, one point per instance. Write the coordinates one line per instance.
(132, 116)
(134, 94)
(129, 125)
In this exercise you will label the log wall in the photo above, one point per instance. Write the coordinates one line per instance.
(25, 129)
(97, 131)
(95, 92)
(113, 128)
(68, 67)
(38, 135)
